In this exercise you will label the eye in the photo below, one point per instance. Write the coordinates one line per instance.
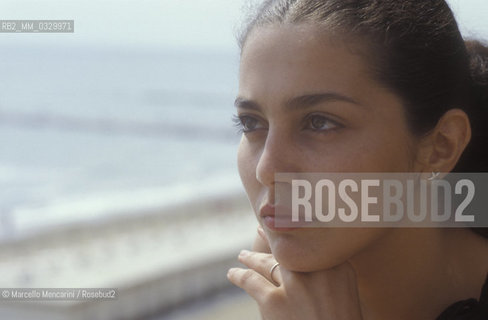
(246, 123)
(318, 122)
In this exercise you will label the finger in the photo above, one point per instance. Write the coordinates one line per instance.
(251, 281)
(262, 263)
(262, 234)
(260, 244)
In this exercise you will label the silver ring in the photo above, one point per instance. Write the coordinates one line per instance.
(273, 269)
(433, 176)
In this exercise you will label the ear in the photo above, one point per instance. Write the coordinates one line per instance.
(440, 149)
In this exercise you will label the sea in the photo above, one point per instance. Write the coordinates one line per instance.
(87, 132)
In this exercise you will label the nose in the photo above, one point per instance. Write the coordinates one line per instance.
(278, 155)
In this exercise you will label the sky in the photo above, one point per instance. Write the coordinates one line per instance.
(195, 24)
(207, 24)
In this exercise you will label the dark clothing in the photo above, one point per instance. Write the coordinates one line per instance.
(469, 309)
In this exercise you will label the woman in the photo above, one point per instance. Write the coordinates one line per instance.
(360, 86)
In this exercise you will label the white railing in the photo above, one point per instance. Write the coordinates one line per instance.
(156, 259)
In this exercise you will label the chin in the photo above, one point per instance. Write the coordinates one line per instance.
(295, 255)
(310, 250)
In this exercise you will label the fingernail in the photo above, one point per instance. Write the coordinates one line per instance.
(243, 253)
(231, 271)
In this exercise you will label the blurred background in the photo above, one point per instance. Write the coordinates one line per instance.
(117, 157)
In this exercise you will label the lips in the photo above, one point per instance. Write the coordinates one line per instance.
(276, 218)
(267, 210)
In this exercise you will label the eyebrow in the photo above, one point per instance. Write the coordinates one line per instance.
(303, 101)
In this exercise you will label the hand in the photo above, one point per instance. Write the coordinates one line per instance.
(329, 294)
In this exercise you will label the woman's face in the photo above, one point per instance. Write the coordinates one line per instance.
(307, 104)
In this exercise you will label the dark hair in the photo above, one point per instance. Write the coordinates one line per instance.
(418, 53)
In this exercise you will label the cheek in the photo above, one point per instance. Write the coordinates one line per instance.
(244, 162)
(247, 169)
(393, 155)
(374, 150)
